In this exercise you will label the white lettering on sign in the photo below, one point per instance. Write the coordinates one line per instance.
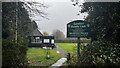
(78, 23)
(78, 28)
(74, 26)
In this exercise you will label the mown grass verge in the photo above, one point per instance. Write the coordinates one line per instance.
(69, 47)
(37, 57)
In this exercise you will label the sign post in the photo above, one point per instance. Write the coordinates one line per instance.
(78, 29)
(78, 47)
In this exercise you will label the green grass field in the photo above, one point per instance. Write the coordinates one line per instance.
(37, 57)
(69, 47)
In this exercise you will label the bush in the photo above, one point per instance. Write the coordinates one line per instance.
(98, 53)
(101, 53)
(72, 40)
(14, 54)
(65, 41)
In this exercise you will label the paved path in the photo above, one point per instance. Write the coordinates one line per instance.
(58, 63)
(61, 60)
(61, 51)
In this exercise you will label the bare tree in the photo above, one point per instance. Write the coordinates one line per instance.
(58, 34)
(45, 33)
(35, 9)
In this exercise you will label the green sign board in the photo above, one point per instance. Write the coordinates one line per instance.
(78, 28)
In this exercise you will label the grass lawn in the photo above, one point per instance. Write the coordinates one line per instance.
(37, 57)
(69, 47)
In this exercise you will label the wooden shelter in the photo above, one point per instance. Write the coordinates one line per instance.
(36, 39)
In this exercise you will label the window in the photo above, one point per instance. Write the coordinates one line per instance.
(52, 41)
(32, 39)
(40, 41)
(46, 40)
(36, 40)
(37, 37)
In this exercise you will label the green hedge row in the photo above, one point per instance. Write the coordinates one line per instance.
(71, 41)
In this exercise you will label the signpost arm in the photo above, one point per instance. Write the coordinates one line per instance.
(78, 47)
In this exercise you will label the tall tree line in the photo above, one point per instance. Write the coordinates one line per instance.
(14, 54)
(104, 18)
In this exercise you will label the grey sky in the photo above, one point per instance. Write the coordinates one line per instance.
(59, 13)
(60, 0)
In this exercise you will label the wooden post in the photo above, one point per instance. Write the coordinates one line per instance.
(78, 47)
(48, 53)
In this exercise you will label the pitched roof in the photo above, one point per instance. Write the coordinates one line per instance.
(36, 32)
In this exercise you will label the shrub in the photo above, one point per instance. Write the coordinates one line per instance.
(98, 53)
(14, 54)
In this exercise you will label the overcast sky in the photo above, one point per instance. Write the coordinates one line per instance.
(60, 12)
